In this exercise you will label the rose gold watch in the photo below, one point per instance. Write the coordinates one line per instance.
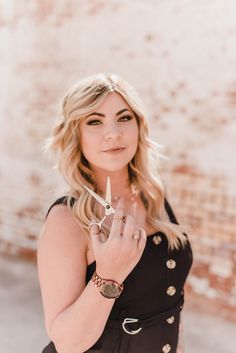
(108, 288)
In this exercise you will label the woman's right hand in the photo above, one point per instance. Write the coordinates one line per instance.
(119, 254)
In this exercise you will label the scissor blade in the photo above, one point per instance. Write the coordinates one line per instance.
(96, 196)
(108, 211)
(108, 191)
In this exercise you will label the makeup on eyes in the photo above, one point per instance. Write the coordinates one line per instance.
(122, 117)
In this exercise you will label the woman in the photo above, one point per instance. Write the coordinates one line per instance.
(117, 286)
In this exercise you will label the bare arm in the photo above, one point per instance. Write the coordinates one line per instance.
(180, 348)
(69, 303)
(74, 330)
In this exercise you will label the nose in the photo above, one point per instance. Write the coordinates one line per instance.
(112, 131)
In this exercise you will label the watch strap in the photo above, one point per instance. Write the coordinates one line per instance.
(98, 282)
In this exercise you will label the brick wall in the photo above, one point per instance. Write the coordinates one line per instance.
(205, 207)
(180, 55)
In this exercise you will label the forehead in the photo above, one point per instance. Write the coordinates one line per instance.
(113, 102)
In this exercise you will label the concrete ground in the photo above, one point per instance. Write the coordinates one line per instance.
(22, 326)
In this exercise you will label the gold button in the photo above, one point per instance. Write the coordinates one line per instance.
(170, 320)
(171, 290)
(166, 348)
(171, 263)
(157, 239)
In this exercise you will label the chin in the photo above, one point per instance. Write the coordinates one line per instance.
(111, 166)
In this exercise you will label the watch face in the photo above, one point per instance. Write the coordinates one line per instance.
(109, 289)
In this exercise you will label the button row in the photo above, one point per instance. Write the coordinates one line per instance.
(170, 290)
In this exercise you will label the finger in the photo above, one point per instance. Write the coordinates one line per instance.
(94, 231)
(117, 219)
(134, 209)
(142, 239)
(129, 227)
(136, 235)
(103, 236)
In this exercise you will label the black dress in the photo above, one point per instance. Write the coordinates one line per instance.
(153, 293)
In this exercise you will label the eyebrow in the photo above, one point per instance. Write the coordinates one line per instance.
(103, 116)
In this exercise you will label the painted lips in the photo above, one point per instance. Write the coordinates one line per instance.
(115, 151)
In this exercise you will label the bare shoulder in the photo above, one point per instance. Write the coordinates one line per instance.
(60, 219)
(62, 229)
(61, 259)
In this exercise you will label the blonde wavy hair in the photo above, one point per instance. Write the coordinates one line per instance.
(64, 144)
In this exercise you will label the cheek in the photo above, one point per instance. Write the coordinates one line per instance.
(90, 145)
(87, 144)
(88, 137)
(132, 137)
(133, 134)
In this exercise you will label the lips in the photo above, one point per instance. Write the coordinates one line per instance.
(115, 149)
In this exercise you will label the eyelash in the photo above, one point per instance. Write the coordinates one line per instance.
(125, 116)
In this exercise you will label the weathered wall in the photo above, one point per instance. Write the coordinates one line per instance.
(181, 57)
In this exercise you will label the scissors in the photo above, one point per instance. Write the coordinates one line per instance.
(105, 203)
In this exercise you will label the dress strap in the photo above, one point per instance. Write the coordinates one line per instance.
(170, 212)
(171, 215)
(61, 200)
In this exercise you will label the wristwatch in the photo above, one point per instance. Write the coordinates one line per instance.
(108, 288)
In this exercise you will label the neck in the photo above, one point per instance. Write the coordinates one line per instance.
(130, 194)
(120, 183)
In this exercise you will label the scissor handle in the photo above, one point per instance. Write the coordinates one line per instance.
(98, 223)
(108, 209)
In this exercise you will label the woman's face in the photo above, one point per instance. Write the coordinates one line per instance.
(113, 125)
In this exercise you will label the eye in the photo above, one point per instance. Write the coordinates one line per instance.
(91, 122)
(97, 122)
(127, 117)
